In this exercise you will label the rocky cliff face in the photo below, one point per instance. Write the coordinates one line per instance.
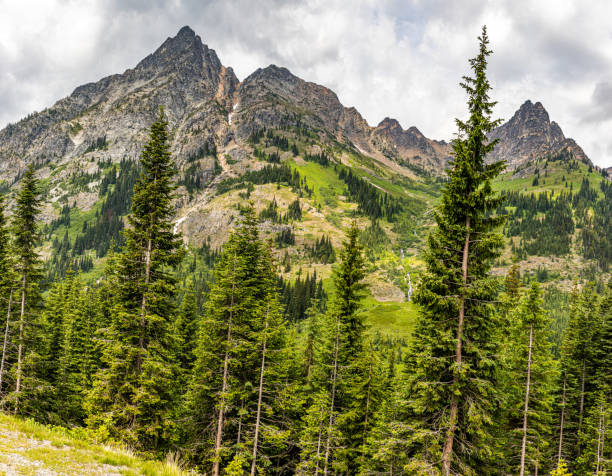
(274, 97)
(183, 75)
(205, 103)
(530, 134)
(422, 153)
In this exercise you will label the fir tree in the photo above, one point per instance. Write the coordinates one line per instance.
(27, 265)
(384, 449)
(452, 399)
(579, 370)
(337, 422)
(6, 290)
(239, 360)
(187, 331)
(595, 449)
(596, 457)
(561, 470)
(73, 379)
(134, 392)
(53, 318)
(273, 392)
(528, 389)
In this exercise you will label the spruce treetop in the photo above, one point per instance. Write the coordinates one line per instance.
(25, 225)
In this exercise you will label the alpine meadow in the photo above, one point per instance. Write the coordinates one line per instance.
(202, 275)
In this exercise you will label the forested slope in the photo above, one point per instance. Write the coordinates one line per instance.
(266, 289)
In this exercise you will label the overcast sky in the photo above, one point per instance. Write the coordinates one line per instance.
(401, 58)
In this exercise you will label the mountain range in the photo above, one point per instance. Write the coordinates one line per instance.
(205, 102)
(224, 131)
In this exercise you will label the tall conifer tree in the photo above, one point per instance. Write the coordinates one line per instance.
(187, 331)
(579, 369)
(6, 292)
(528, 388)
(135, 390)
(27, 265)
(240, 359)
(452, 376)
(337, 421)
(73, 379)
(596, 431)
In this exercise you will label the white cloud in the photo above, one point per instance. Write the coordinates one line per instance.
(398, 58)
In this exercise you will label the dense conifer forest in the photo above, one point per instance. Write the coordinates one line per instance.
(213, 355)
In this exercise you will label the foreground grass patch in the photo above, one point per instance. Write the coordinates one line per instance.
(28, 447)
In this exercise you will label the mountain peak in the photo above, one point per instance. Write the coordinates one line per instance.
(186, 32)
(390, 123)
(531, 111)
(530, 134)
(415, 131)
(184, 53)
(273, 72)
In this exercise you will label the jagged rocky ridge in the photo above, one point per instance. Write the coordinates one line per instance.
(205, 102)
(529, 135)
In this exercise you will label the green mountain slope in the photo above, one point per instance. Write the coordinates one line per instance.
(309, 165)
(559, 218)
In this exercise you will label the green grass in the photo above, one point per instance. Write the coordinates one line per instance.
(551, 179)
(323, 180)
(77, 218)
(390, 319)
(28, 447)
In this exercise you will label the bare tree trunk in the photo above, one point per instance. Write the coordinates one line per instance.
(559, 453)
(367, 411)
(240, 423)
(333, 396)
(526, 407)
(143, 306)
(581, 410)
(600, 439)
(319, 443)
(259, 396)
(20, 347)
(447, 453)
(219, 435)
(6, 334)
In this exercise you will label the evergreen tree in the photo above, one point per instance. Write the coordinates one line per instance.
(134, 391)
(274, 394)
(240, 360)
(579, 370)
(6, 291)
(528, 389)
(384, 451)
(27, 265)
(187, 331)
(95, 320)
(337, 421)
(595, 449)
(53, 318)
(452, 399)
(596, 457)
(73, 379)
(561, 470)
(66, 350)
